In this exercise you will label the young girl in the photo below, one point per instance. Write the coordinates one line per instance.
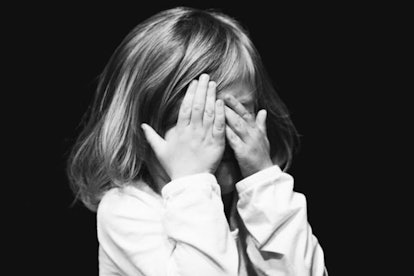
(182, 154)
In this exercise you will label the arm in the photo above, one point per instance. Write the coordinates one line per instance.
(280, 240)
(276, 219)
(195, 220)
(185, 233)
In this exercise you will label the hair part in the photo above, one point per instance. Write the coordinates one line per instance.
(145, 81)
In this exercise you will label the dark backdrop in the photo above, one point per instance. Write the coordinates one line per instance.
(320, 58)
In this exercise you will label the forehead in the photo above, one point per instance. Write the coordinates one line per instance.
(242, 92)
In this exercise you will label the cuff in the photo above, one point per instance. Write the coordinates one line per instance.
(263, 176)
(200, 181)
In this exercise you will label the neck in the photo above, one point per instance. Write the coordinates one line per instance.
(228, 204)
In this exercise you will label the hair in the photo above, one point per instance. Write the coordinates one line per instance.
(145, 81)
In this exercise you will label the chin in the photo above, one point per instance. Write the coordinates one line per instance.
(227, 174)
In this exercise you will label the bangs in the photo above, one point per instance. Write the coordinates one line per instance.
(217, 45)
(235, 66)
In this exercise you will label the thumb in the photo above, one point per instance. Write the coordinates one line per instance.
(156, 142)
(261, 120)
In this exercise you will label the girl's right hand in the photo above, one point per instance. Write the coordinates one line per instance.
(196, 143)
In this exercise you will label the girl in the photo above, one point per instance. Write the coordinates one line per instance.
(182, 154)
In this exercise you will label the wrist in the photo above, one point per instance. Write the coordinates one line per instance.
(259, 178)
(257, 167)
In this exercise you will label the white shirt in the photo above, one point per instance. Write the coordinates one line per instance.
(184, 230)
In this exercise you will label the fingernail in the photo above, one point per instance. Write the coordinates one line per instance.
(212, 84)
(204, 76)
(220, 103)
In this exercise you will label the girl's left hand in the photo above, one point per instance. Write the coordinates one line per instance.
(248, 137)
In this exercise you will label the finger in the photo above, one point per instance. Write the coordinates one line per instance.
(184, 115)
(156, 142)
(219, 120)
(208, 117)
(232, 138)
(239, 109)
(199, 100)
(237, 124)
(261, 120)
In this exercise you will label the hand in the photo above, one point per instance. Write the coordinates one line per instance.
(197, 142)
(248, 137)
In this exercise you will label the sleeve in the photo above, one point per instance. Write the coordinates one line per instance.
(187, 235)
(276, 220)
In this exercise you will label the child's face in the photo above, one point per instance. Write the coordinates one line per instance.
(228, 172)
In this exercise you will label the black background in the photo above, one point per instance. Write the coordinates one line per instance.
(325, 61)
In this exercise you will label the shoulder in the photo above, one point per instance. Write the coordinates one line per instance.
(131, 202)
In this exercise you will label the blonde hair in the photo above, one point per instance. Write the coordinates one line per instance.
(145, 81)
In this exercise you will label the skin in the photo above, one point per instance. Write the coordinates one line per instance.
(218, 134)
(241, 99)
